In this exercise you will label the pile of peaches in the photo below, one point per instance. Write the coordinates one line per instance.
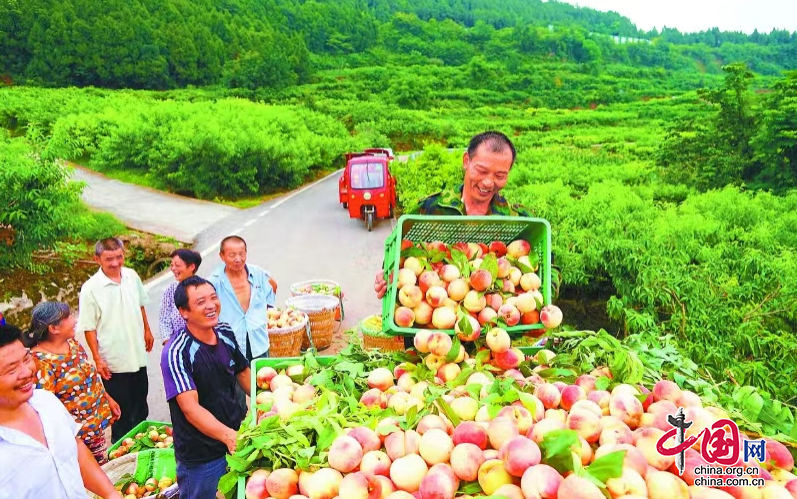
(499, 449)
(431, 292)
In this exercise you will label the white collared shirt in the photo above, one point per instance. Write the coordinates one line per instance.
(114, 311)
(28, 469)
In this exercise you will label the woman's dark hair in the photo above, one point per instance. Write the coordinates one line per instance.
(9, 334)
(190, 257)
(44, 315)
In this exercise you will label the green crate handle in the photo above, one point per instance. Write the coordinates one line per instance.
(475, 229)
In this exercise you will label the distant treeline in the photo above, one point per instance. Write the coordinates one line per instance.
(163, 44)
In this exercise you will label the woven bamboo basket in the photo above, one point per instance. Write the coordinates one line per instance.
(141, 462)
(320, 310)
(375, 339)
(297, 290)
(287, 341)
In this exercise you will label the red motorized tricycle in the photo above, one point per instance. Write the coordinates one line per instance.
(366, 188)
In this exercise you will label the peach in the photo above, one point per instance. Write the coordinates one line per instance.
(449, 303)
(587, 405)
(436, 296)
(282, 483)
(509, 491)
(494, 300)
(280, 381)
(629, 483)
(324, 484)
(375, 462)
(468, 335)
(366, 437)
(510, 314)
(498, 340)
(406, 382)
(614, 431)
(466, 458)
(689, 399)
(539, 430)
(583, 450)
(439, 483)
(410, 296)
(492, 475)
(304, 481)
(497, 247)
(663, 485)
(510, 359)
(406, 277)
(506, 285)
(522, 417)
(518, 248)
(500, 430)
(549, 395)
(634, 459)
(600, 397)
(645, 441)
(430, 421)
(421, 341)
(570, 395)
(449, 273)
(444, 318)
(386, 485)
(404, 317)
(530, 282)
(374, 398)
(304, 394)
(428, 279)
(448, 372)
(474, 303)
(360, 485)
(414, 264)
(475, 251)
(586, 423)
(551, 316)
(256, 484)
(666, 390)
(628, 408)
(526, 303)
(264, 377)
(777, 456)
(557, 414)
(408, 471)
(576, 487)
(515, 274)
(380, 378)
(345, 454)
(487, 315)
(435, 446)
(490, 454)
(587, 382)
(465, 408)
(480, 280)
(439, 344)
(529, 318)
(626, 389)
(457, 289)
(519, 454)
(541, 482)
(471, 433)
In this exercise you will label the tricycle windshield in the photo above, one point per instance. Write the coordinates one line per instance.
(367, 175)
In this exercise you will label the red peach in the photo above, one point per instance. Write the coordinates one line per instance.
(497, 247)
(449, 273)
(475, 329)
(470, 432)
(360, 485)
(494, 300)
(587, 382)
(585, 423)
(539, 430)
(430, 421)
(572, 394)
(427, 280)
(615, 432)
(439, 344)
(404, 317)
(689, 399)
(500, 430)
(551, 316)
(406, 277)
(541, 482)
(666, 390)
(324, 484)
(448, 372)
(510, 314)
(466, 458)
(510, 359)
(345, 454)
(587, 405)
(282, 483)
(503, 267)
(374, 398)
(528, 318)
(256, 484)
(557, 414)
(366, 437)
(386, 485)
(480, 280)
(410, 296)
(628, 408)
(444, 318)
(777, 456)
(439, 483)
(600, 397)
(578, 488)
(530, 282)
(520, 416)
(436, 296)
(509, 491)
(458, 289)
(519, 454)
(380, 378)
(518, 248)
(486, 315)
(646, 440)
(549, 395)
(376, 462)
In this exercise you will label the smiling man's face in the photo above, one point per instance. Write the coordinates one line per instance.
(204, 307)
(17, 370)
(486, 173)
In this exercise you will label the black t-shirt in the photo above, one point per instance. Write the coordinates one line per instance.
(189, 364)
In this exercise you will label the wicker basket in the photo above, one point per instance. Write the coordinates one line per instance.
(374, 338)
(296, 291)
(320, 310)
(287, 341)
(134, 464)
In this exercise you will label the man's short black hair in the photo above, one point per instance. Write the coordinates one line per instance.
(181, 292)
(190, 257)
(231, 238)
(9, 334)
(497, 141)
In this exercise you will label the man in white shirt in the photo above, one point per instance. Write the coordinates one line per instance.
(41, 455)
(112, 315)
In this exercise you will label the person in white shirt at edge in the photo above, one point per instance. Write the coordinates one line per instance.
(112, 315)
(41, 456)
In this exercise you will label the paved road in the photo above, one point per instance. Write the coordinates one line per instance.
(150, 210)
(303, 235)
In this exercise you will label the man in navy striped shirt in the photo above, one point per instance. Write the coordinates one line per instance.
(201, 367)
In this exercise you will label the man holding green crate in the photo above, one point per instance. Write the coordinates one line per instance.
(487, 161)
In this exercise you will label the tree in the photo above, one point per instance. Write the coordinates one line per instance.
(775, 143)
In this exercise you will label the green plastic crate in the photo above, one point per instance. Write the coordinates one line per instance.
(156, 463)
(139, 428)
(453, 229)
